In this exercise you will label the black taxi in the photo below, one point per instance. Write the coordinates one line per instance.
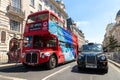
(91, 55)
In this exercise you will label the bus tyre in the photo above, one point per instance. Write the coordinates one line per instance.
(52, 62)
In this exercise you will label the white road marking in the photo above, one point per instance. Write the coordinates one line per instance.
(117, 69)
(11, 78)
(55, 73)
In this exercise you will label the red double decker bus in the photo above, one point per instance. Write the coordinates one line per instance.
(46, 41)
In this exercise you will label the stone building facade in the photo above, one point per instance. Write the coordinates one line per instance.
(80, 34)
(113, 30)
(109, 28)
(116, 29)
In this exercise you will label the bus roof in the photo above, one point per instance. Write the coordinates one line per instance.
(46, 11)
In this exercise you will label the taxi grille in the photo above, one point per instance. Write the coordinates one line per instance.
(91, 59)
(31, 57)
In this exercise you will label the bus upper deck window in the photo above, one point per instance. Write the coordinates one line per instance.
(42, 17)
(53, 18)
(31, 19)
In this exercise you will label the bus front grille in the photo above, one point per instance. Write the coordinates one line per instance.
(31, 58)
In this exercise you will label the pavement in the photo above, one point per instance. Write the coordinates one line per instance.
(113, 62)
(9, 65)
(3, 66)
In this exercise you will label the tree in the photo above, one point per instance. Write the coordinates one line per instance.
(113, 43)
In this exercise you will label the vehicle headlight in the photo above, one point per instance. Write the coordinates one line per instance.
(102, 57)
(42, 55)
(22, 55)
(80, 56)
(47, 54)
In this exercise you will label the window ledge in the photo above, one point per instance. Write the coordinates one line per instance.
(32, 6)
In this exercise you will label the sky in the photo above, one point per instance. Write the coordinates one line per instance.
(92, 16)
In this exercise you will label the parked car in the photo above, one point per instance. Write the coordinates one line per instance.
(92, 56)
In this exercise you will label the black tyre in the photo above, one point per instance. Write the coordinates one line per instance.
(80, 68)
(52, 62)
(106, 70)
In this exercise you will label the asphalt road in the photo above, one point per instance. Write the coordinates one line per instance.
(67, 71)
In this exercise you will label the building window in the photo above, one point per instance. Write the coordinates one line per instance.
(16, 4)
(39, 7)
(14, 25)
(32, 3)
(59, 14)
(46, 3)
(55, 11)
(3, 37)
(51, 7)
(119, 22)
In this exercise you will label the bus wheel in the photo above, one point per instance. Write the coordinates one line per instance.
(52, 62)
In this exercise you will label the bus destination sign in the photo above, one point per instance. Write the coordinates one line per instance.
(36, 26)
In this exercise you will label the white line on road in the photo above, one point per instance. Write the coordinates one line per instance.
(11, 78)
(55, 73)
(117, 69)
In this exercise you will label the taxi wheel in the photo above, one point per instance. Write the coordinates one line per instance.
(106, 70)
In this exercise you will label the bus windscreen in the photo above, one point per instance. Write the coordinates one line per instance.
(39, 17)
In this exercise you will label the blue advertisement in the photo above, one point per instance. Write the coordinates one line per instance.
(64, 36)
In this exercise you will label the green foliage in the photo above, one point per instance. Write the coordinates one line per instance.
(118, 49)
(113, 43)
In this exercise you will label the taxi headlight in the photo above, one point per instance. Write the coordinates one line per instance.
(102, 57)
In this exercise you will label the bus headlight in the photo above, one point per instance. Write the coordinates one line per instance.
(42, 55)
(22, 55)
(47, 54)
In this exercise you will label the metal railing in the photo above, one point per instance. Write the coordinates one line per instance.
(115, 56)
